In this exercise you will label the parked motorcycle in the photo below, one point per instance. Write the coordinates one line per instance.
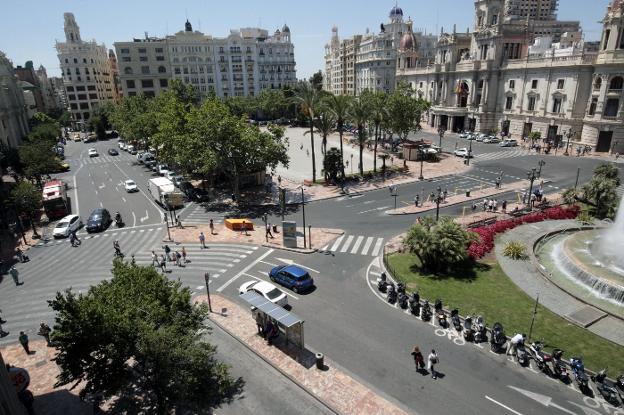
(402, 299)
(578, 369)
(382, 282)
(414, 303)
(560, 368)
(425, 313)
(619, 383)
(440, 314)
(608, 392)
(400, 288)
(541, 358)
(468, 332)
(522, 354)
(455, 320)
(480, 331)
(392, 294)
(497, 338)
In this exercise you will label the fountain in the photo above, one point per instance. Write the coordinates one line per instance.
(588, 263)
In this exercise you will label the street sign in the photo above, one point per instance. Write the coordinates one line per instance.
(289, 234)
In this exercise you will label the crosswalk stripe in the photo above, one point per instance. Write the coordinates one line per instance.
(345, 246)
(367, 245)
(337, 243)
(357, 244)
(377, 247)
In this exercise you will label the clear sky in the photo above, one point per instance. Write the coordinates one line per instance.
(29, 29)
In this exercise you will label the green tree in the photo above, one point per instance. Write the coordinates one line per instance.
(27, 200)
(600, 193)
(404, 111)
(359, 113)
(332, 165)
(97, 124)
(136, 119)
(324, 124)
(438, 245)
(339, 105)
(379, 116)
(272, 103)
(38, 159)
(316, 80)
(309, 100)
(138, 337)
(241, 106)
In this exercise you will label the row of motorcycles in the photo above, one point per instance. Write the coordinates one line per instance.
(474, 329)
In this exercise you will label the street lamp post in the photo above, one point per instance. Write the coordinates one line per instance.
(469, 153)
(441, 131)
(422, 159)
(541, 164)
(304, 223)
(394, 192)
(438, 200)
(569, 135)
(532, 177)
(207, 279)
(351, 163)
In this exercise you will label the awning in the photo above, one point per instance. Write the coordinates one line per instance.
(276, 312)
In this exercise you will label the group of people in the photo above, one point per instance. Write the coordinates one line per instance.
(179, 257)
(432, 361)
(491, 205)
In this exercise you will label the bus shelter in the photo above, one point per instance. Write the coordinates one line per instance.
(289, 323)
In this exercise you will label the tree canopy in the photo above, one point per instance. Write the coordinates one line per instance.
(600, 193)
(404, 111)
(138, 337)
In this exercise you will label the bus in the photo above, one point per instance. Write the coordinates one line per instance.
(55, 199)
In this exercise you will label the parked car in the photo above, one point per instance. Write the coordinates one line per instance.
(130, 186)
(113, 152)
(462, 152)
(185, 187)
(99, 220)
(509, 142)
(163, 169)
(464, 134)
(67, 225)
(93, 152)
(492, 140)
(177, 180)
(170, 174)
(150, 164)
(481, 137)
(122, 145)
(471, 136)
(292, 276)
(267, 290)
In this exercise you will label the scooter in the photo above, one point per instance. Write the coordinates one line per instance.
(425, 312)
(382, 282)
(578, 369)
(541, 358)
(402, 299)
(480, 331)
(414, 304)
(521, 354)
(400, 288)
(468, 332)
(560, 369)
(455, 320)
(498, 338)
(119, 222)
(608, 392)
(392, 294)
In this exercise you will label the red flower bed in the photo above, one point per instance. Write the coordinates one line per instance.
(485, 243)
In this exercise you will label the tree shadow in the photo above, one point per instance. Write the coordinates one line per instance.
(464, 271)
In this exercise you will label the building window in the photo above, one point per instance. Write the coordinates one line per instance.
(611, 108)
(176, 71)
(82, 97)
(131, 93)
(534, 84)
(142, 50)
(92, 96)
(616, 83)
(80, 88)
(512, 83)
(159, 50)
(126, 59)
(130, 84)
(70, 88)
(592, 106)
(128, 70)
(531, 104)
(147, 83)
(556, 108)
(71, 97)
(160, 58)
(164, 83)
(124, 50)
(143, 58)
(84, 105)
(75, 60)
(560, 83)
(145, 69)
(508, 103)
(162, 69)
(606, 39)
(598, 83)
(73, 106)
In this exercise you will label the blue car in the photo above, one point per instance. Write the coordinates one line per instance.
(292, 276)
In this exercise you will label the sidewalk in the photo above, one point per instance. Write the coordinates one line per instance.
(335, 388)
(190, 235)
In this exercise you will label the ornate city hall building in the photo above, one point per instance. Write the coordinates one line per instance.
(520, 70)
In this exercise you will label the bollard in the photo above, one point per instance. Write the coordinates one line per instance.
(467, 193)
(320, 361)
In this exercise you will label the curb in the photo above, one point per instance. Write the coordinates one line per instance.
(298, 250)
(283, 373)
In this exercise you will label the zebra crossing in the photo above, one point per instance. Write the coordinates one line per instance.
(503, 154)
(196, 213)
(356, 245)
(106, 158)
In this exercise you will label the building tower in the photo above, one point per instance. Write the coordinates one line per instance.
(408, 48)
(72, 31)
(286, 33)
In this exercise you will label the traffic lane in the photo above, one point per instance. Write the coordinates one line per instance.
(265, 390)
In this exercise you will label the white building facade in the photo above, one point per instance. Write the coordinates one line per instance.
(13, 117)
(242, 64)
(518, 76)
(87, 73)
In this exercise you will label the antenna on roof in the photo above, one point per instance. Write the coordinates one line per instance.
(199, 24)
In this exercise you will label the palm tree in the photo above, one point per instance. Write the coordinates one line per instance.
(339, 105)
(309, 99)
(359, 113)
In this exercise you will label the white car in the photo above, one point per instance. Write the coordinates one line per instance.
(267, 290)
(170, 174)
(93, 152)
(491, 140)
(163, 169)
(67, 225)
(130, 186)
(122, 145)
(462, 152)
(509, 142)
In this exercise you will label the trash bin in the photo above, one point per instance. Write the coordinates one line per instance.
(467, 193)
(274, 228)
(320, 361)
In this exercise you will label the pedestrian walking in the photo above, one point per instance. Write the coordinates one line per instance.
(76, 240)
(485, 204)
(504, 206)
(21, 256)
(268, 231)
(178, 257)
(495, 205)
(419, 360)
(117, 248)
(2, 321)
(23, 339)
(163, 263)
(433, 360)
(168, 252)
(244, 228)
(15, 275)
(202, 238)
(155, 261)
(184, 255)
(444, 194)
(179, 222)
(2, 332)
(44, 331)
(416, 200)
(498, 182)
(132, 260)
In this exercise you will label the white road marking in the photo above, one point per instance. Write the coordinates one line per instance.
(102, 186)
(357, 244)
(337, 243)
(124, 199)
(367, 245)
(144, 218)
(247, 268)
(291, 262)
(373, 210)
(324, 248)
(503, 405)
(133, 219)
(377, 247)
(347, 243)
(268, 263)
